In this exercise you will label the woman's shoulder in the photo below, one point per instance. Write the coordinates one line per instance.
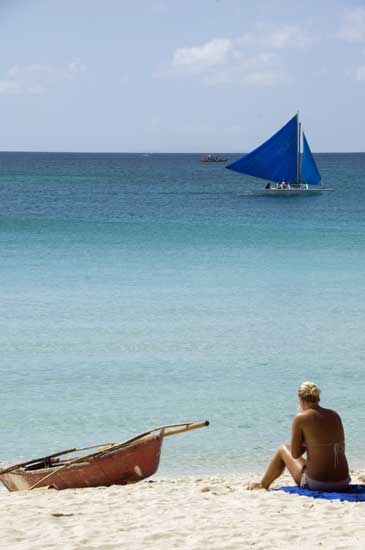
(300, 417)
(329, 412)
(320, 411)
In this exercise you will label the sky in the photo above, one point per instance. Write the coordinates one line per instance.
(180, 76)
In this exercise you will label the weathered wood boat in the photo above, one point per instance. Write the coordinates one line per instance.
(109, 464)
(213, 158)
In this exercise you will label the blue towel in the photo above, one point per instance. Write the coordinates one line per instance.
(355, 493)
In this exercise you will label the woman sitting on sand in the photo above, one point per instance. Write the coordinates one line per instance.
(319, 433)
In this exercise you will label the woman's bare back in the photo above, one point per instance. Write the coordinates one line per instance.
(320, 432)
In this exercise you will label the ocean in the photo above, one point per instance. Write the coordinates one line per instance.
(142, 290)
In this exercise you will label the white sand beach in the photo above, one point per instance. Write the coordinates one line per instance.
(210, 513)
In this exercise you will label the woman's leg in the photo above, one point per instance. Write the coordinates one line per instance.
(283, 459)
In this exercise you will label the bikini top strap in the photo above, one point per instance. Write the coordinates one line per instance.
(338, 448)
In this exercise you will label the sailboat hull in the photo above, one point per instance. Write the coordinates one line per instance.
(290, 192)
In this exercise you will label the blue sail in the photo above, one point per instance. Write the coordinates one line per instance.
(274, 160)
(310, 173)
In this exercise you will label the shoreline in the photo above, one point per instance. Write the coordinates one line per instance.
(215, 512)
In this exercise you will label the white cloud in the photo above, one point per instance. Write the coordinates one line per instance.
(360, 73)
(252, 59)
(9, 87)
(212, 53)
(76, 67)
(37, 78)
(290, 36)
(353, 26)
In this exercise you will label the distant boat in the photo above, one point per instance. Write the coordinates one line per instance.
(213, 158)
(109, 464)
(279, 160)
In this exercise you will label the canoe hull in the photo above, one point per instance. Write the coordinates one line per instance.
(118, 467)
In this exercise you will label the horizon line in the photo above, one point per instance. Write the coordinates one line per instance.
(148, 153)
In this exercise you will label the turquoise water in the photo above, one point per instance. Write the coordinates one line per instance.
(138, 291)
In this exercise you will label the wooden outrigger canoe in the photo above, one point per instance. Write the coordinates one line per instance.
(110, 464)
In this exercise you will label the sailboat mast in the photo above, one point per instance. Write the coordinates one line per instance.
(298, 153)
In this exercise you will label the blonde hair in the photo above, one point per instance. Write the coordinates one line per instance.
(308, 391)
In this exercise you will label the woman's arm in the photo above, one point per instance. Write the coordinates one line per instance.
(297, 444)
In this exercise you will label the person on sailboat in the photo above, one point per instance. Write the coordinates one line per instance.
(319, 433)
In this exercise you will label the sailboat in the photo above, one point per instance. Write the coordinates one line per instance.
(280, 160)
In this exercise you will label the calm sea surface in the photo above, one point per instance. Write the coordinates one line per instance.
(141, 290)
